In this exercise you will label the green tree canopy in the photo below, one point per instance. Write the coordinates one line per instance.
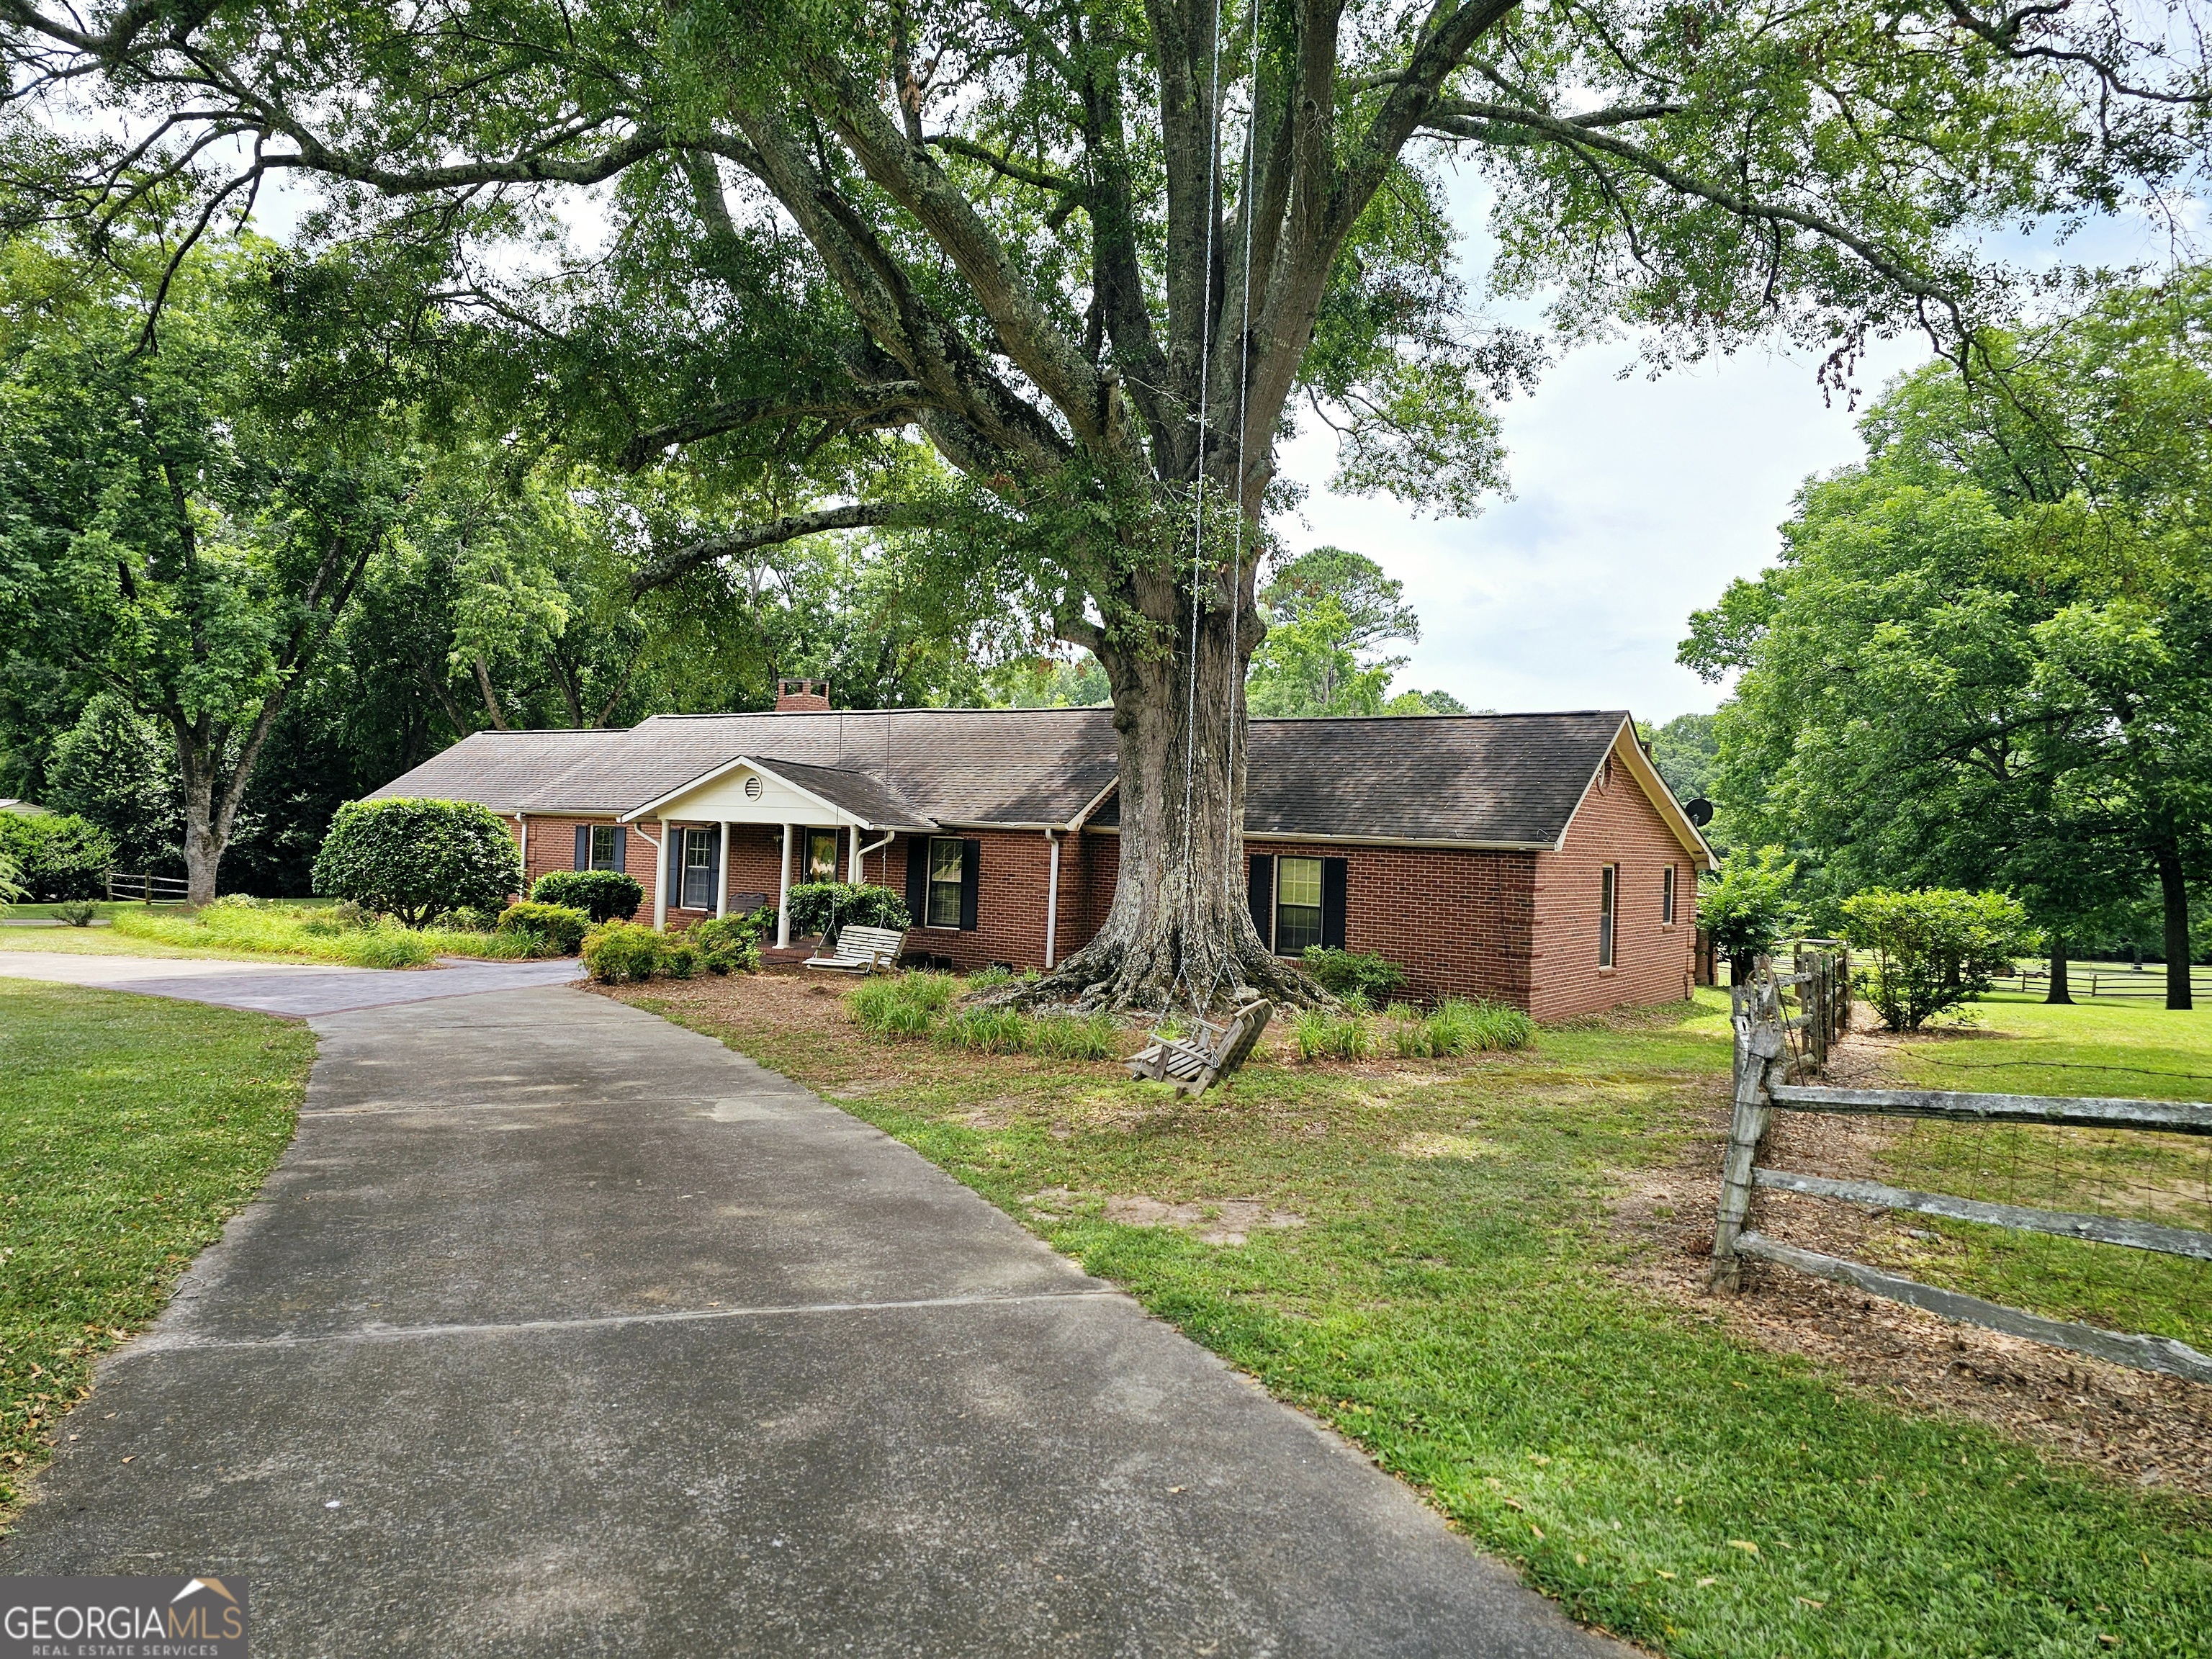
(1986, 656)
(1046, 282)
(186, 512)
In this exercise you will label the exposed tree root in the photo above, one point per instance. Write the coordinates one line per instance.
(1107, 975)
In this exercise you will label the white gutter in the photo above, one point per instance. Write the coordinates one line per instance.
(860, 853)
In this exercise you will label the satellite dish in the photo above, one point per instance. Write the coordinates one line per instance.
(1699, 810)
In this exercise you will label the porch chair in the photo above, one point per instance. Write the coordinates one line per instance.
(862, 951)
(1195, 1063)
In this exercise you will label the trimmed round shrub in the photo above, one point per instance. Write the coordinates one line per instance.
(414, 859)
(623, 951)
(558, 927)
(727, 945)
(823, 907)
(59, 855)
(602, 894)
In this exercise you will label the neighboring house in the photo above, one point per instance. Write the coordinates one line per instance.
(29, 808)
(1534, 858)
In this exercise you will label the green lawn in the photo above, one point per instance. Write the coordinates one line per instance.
(2016, 1045)
(130, 1128)
(301, 929)
(1446, 1302)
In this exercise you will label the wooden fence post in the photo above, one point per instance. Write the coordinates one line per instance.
(1758, 1047)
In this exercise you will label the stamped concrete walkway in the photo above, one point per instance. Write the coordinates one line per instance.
(562, 1330)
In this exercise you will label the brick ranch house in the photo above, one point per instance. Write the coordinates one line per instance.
(1531, 858)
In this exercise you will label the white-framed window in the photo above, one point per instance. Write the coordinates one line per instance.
(1608, 896)
(1298, 905)
(944, 882)
(1667, 896)
(603, 846)
(698, 892)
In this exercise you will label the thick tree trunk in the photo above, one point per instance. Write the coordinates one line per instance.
(2058, 990)
(203, 846)
(1179, 938)
(2173, 890)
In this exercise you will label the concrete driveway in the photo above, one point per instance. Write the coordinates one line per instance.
(299, 988)
(560, 1330)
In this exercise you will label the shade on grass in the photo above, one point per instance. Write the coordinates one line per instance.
(131, 1128)
(1447, 1304)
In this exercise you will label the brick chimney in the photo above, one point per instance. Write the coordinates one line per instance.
(802, 697)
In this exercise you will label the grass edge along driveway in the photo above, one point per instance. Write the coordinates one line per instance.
(1445, 1305)
(131, 1127)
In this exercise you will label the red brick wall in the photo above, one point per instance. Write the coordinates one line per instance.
(1519, 927)
(1456, 921)
(1013, 878)
(1617, 823)
(552, 846)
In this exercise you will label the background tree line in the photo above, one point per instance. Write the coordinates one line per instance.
(1985, 657)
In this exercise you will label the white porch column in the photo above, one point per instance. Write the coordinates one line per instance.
(853, 857)
(783, 895)
(722, 883)
(1052, 902)
(660, 877)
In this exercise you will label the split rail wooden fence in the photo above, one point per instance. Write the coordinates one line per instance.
(1774, 1072)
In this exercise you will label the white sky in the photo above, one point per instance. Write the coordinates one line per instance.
(1634, 502)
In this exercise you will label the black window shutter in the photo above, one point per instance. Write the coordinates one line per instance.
(1334, 877)
(714, 868)
(917, 878)
(583, 846)
(671, 840)
(971, 881)
(1259, 893)
(621, 846)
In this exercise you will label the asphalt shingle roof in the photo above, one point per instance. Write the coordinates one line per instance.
(1487, 779)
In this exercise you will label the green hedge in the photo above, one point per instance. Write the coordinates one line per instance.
(59, 855)
(560, 926)
(602, 894)
(823, 907)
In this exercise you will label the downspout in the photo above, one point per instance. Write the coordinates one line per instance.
(860, 852)
(1052, 901)
(522, 849)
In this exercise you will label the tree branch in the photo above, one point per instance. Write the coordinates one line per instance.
(712, 550)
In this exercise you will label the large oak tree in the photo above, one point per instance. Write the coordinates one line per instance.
(1097, 257)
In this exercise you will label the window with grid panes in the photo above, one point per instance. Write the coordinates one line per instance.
(603, 846)
(698, 869)
(945, 854)
(1298, 905)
